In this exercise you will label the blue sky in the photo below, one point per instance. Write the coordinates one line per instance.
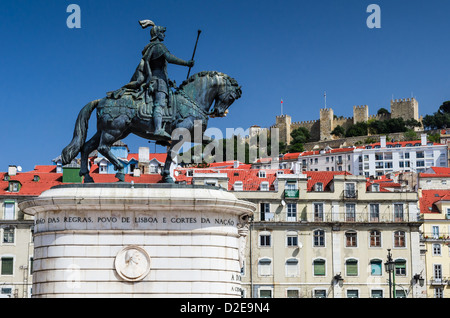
(290, 50)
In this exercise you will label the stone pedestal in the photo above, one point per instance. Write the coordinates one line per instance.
(141, 240)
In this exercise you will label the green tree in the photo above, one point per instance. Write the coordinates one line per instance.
(410, 135)
(358, 129)
(300, 136)
(440, 119)
(338, 131)
(383, 111)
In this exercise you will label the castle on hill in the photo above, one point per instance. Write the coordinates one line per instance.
(320, 130)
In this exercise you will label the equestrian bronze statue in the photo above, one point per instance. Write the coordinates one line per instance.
(152, 107)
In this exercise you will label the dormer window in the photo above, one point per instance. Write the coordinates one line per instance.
(238, 186)
(103, 167)
(6, 177)
(190, 173)
(36, 178)
(264, 186)
(318, 187)
(375, 187)
(262, 174)
(14, 186)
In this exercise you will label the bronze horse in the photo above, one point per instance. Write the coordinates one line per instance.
(118, 117)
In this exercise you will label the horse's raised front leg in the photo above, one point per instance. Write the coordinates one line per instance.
(106, 141)
(87, 148)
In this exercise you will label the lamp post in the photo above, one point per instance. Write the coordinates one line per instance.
(389, 267)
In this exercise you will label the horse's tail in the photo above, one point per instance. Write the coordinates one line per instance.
(79, 134)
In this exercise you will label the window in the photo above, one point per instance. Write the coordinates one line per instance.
(14, 186)
(319, 238)
(291, 239)
(400, 268)
(351, 267)
(376, 293)
(103, 168)
(419, 154)
(262, 174)
(8, 235)
(265, 239)
(350, 239)
(9, 210)
(318, 187)
(375, 238)
(319, 267)
(350, 190)
(435, 230)
(264, 186)
(352, 293)
(376, 267)
(292, 212)
(292, 293)
(318, 212)
(448, 213)
(437, 272)
(400, 293)
(439, 292)
(7, 266)
(398, 212)
(265, 293)
(320, 293)
(350, 212)
(265, 212)
(436, 249)
(399, 239)
(265, 267)
(375, 187)
(374, 212)
(238, 186)
(292, 267)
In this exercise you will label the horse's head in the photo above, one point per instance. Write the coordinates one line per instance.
(228, 91)
(210, 87)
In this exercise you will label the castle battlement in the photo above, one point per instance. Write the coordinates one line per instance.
(306, 122)
(402, 100)
(360, 107)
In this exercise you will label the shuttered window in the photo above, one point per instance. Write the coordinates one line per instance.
(375, 267)
(7, 265)
(352, 267)
(319, 267)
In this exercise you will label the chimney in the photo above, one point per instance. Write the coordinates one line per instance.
(236, 164)
(423, 139)
(383, 141)
(144, 154)
(12, 170)
(136, 172)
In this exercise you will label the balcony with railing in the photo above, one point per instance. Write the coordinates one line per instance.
(308, 215)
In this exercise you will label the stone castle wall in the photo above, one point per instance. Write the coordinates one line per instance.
(320, 130)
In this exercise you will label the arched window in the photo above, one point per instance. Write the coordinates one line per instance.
(265, 267)
(376, 267)
(319, 267)
(351, 267)
(292, 267)
(351, 239)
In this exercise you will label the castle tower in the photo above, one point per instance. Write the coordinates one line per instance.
(283, 123)
(407, 108)
(360, 114)
(326, 123)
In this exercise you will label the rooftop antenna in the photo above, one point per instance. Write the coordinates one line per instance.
(325, 97)
(281, 107)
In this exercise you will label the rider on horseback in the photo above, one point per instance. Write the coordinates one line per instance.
(152, 72)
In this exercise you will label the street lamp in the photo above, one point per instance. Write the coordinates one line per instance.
(389, 267)
(419, 279)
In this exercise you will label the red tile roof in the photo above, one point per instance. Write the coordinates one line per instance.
(28, 186)
(429, 198)
(438, 172)
(325, 177)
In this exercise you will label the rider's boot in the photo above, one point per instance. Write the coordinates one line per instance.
(157, 120)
